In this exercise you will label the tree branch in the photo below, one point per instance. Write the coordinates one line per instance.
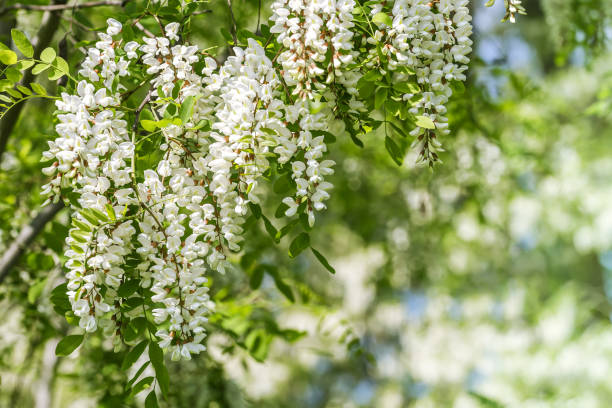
(59, 7)
(26, 236)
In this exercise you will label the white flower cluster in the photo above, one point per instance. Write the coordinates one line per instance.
(317, 40)
(189, 209)
(220, 130)
(178, 235)
(432, 41)
(308, 172)
(92, 156)
(513, 7)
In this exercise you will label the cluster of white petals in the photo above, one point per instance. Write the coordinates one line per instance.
(317, 40)
(432, 41)
(147, 232)
(92, 156)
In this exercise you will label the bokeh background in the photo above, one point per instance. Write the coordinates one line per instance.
(484, 283)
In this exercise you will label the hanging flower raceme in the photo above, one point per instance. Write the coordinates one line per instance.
(150, 226)
(428, 42)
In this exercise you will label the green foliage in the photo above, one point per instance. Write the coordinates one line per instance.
(397, 236)
(68, 344)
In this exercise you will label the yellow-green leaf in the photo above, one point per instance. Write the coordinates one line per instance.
(8, 57)
(14, 93)
(22, 43)
(24, 64)
(148, 125)
(382, 18)
(24, 90)
(61, 65)
(48, 55)
(38, 89)
(38, 68)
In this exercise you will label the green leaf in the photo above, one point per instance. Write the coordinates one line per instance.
(382, 18)
(59, 299)
(138, 373)
(38, 89)
(161, 372)
(255, 209)
(24, 90)
(77, 249)
(425, 122)
(48, 55)
(5, 84)
(283, 184)
(14, 93)
(35, 290)
(22, 43)
(61, 65)
(372, 76)
(8, 57)
(89, 217)
(79, 236)
(54, 74)
(256, 277)
(110, 211)
(134, 354)
(285, 230)
(291, 335)
(269, 227)
(13, 74)
(148, 125)
(394, 151)
(186, 108)
(283, 288)
(68, 344)
(99, 214)
(128, 288)
(151, 400)
(280, 210)
(299, 243)
(142, 385)
(38, 68)
(380, 97)
(323, 261)
(258, 344)
(81, 225)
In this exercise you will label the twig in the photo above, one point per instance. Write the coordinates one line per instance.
(26, 236)
(258, 18)
(234, 27)
(140, 108)
(142, 28)
(59, 7)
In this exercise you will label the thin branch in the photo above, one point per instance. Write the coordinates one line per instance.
(59, 7)
(258, 18)
(26, 236)
(140, 108)
(234, 27)
(142, 28)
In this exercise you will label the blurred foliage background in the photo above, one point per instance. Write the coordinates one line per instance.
(485, 283)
